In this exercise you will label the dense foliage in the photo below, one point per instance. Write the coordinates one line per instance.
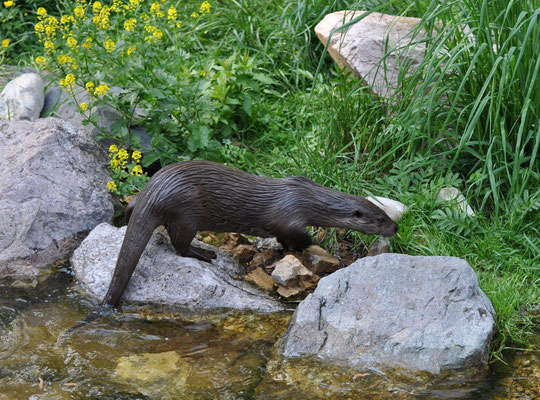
(247, 83)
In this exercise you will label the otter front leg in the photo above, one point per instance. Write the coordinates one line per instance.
(293, 238)
(181, 237)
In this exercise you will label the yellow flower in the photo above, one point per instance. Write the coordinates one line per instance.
(83, 106)
(137, 170)
(129, 24)
(202, 73)
(41, 61)
(205, 8)
(49, 46)
(52, 26)
(41, 12)
(101, 90)
(155, 8)
(8, 3)
(130, 50)
(104, 21)
(62, 59)
(110, 46)
(87, 44)
(89, 86)
(71, 42)
(158, 34)
(179, 24)
(5, 43)
(39, 28)
(111, 186)
(96, 7)
(194, 15)
(79, 12)
(136, 155)
(123, 154)
(172, 14)
(113, 148)
(134, 3)
(68, 83)
(65, 19)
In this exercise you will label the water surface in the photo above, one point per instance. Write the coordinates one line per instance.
(154, 353)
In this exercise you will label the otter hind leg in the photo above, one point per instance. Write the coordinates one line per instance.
(294, 238)
(181, 237)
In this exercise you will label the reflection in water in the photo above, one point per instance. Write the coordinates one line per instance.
(149, 353)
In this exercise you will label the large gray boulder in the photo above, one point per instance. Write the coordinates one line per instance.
(396, 311)
(53, 190)
(163, 277)
(22, 98)
(378, 48)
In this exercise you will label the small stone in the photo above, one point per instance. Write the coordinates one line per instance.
(289, 291)
(261, 279)
(232, 240)
(22, 98)
(379, 246)
(393, 208)
(290, 272)
(319, 261)
(270, 243)
(454, 195)
(286, 270)
(264, 258)
(244, 252)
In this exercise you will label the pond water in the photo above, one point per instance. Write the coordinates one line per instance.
(150, 353)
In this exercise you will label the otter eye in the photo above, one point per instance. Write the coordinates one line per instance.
(358, 214)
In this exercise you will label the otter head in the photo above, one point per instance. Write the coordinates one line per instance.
(366, 217)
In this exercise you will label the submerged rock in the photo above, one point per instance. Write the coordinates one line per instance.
(163, 277)
(148, 371)
(53, 190)
(396, 311)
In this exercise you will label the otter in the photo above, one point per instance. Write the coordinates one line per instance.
(192, 196)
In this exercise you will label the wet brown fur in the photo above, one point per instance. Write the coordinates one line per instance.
(192, 196)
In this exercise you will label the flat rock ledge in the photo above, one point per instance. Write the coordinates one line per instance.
(53, 191)
(163, 277)
(396, 311)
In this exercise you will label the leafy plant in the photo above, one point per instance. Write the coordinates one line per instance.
(126, 172)
(146, 49)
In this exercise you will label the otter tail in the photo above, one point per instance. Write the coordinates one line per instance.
(141, 225)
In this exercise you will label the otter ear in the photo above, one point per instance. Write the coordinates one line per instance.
(358, 214)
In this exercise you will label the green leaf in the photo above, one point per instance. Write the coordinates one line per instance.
(247, 104)
(265, 79)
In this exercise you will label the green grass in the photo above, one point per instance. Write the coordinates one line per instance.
(469, 117)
